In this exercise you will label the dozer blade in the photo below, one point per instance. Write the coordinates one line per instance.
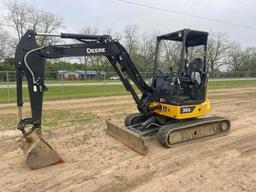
(38, 152)
(132, 140)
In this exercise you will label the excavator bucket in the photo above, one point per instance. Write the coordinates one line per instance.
(38, 152)
(129, 138)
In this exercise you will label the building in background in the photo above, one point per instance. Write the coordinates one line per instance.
(80, 75)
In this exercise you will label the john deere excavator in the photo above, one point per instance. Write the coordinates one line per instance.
(172, 105)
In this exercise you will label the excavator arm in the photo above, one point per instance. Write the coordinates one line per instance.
(29, 62)
(30, 58)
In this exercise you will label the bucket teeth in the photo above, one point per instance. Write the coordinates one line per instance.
(38, 152)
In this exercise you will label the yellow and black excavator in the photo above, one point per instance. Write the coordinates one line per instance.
(172, 105)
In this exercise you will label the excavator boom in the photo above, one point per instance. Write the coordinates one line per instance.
(29, 61)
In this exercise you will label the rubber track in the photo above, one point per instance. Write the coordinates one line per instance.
(164, 131)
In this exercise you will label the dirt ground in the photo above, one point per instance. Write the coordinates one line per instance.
(95, 162)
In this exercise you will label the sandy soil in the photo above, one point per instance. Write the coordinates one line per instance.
(97, 162)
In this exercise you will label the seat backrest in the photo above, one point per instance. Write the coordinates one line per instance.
(197, 79)
(195, 66)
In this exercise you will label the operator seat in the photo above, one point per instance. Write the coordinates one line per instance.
(198, 79)
(194, 72)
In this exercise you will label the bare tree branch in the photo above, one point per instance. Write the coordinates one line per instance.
(218, 45)
(5, 45)
(20, 17)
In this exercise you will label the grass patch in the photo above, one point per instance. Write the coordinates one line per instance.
(107, 90)
(68, 92)
(231, 84)
(67, 81)
(8, 122)
(61, 118)
(51, 119)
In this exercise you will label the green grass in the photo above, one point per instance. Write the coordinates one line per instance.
(51, 118)
(68, 81)
(68, 92)
(231, 84)
(101, 90)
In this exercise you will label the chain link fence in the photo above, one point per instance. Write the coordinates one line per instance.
(70, 84)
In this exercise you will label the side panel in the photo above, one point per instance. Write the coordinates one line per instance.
(182, 112)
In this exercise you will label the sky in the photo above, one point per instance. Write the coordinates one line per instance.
(117, 14)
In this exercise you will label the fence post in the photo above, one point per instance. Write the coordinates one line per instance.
(62, 88)
(8, 86)
(104, 85)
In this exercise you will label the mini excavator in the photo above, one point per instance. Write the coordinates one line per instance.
(172, 106)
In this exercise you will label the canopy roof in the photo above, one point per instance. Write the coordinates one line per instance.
(193, 38)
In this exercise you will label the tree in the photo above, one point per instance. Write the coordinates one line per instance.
(17, 16)
(131, 41)
(133, 45)
(20, 17)
(115, 35)
(249, 60)
(47, 23)
(146, 52)
(171, 52)
(7, 65)
(4, 37)
(236, 57)
(241, 59)
(218, 46)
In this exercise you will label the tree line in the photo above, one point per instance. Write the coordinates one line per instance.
(223, 54)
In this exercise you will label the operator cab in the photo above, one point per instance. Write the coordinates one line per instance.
(185, 84)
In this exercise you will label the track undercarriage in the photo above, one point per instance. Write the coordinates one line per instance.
(170, 132)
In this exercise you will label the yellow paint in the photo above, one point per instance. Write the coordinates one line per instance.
(174, 111)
